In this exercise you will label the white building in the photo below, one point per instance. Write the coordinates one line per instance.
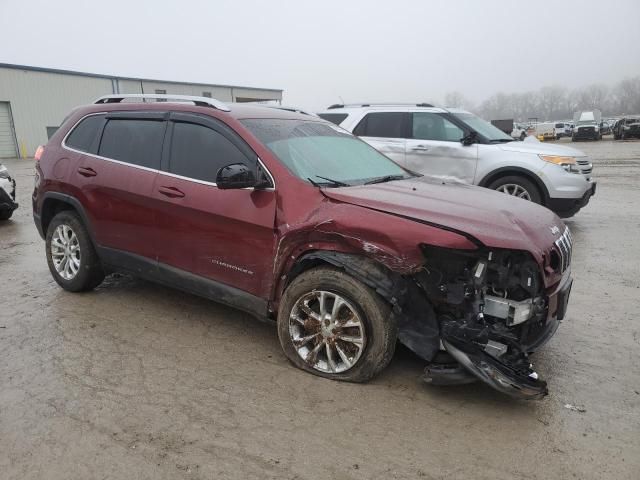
(34, 101)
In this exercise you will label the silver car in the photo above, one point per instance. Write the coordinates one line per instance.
(454, 145)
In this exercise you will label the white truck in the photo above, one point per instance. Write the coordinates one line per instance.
(587, 125)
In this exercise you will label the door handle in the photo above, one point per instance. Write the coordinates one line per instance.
(87, 172)
(171, 192)
(420, 148)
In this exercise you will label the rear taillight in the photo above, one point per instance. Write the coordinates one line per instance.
(39, 152)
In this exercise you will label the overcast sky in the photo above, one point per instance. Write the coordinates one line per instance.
(319, 52)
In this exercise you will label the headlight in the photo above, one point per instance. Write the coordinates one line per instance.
(568, 163)
(4, 173)
(558, 159)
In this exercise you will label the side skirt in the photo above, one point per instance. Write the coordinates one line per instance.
(182, 280)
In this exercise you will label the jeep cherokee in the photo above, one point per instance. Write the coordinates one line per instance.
(292, 218)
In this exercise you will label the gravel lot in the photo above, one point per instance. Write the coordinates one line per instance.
(138, 381)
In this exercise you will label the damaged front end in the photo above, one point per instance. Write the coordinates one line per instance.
(492, 310)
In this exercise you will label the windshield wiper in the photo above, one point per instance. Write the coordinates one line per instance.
(501, 140)
(332, 182)
(385, 178)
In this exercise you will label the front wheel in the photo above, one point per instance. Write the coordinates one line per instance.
(5, 214)
(334, 326)
(523, 136)
(518, 187)
(72, 259)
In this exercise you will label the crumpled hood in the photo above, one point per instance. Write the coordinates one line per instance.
(541, 148)
(495, 219)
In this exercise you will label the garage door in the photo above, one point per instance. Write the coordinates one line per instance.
(7, 138)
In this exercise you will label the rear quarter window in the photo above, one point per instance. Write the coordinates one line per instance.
(336, 118)
(84, 136)
(382, 124)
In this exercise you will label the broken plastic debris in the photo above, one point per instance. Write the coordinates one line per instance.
(575, 408)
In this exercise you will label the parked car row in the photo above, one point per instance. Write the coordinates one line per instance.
(627, 127)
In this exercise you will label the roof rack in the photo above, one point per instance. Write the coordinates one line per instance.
(199, 101)
(289, 109)
(393, 104)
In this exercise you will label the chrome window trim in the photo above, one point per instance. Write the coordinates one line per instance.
(119, 162)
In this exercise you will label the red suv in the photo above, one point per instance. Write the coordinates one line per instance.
(291, 218)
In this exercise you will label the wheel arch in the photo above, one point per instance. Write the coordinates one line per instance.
(54, 203)
(388, 284)
(520, 172)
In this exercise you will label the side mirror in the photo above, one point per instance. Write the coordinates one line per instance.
(470, 138)
(234, 176)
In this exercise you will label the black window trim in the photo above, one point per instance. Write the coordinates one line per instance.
(218, 126)
(164, 161)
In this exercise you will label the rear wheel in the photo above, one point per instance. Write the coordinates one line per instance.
(523, 136)
(517, 186)
(72, 259)
(334, 326)
(5, 214)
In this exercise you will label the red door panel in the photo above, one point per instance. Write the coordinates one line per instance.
(120, 202)
(224, 235)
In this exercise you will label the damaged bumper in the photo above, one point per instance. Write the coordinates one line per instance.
(486, 359)
(7, 194)
(491, 315)
(498, 375)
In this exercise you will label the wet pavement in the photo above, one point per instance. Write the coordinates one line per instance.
(134, 380)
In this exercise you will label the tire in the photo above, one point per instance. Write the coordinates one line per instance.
(89, 272)
(525, 184)
(363, 306)
(523, 136)
(5, 215)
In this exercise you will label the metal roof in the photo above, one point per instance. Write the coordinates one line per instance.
(119, 77)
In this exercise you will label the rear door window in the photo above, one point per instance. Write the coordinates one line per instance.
(134, 141)
(85, 135)
(431, 126)
(336, 118)
(198, 152)
(383, 124)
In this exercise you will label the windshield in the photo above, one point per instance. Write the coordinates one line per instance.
(484, 128)
(324, 154)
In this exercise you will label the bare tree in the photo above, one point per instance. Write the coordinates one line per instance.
(457, 100)
(550, 100)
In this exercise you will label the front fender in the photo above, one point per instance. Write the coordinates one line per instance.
(392, 241)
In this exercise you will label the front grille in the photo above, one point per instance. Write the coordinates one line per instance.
(585, 162)
(564, 245)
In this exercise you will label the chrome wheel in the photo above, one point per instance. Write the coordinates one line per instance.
(515, 190)
(327, 331)
(65, 252)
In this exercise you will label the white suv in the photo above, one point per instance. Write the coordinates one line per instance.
(454, 145)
